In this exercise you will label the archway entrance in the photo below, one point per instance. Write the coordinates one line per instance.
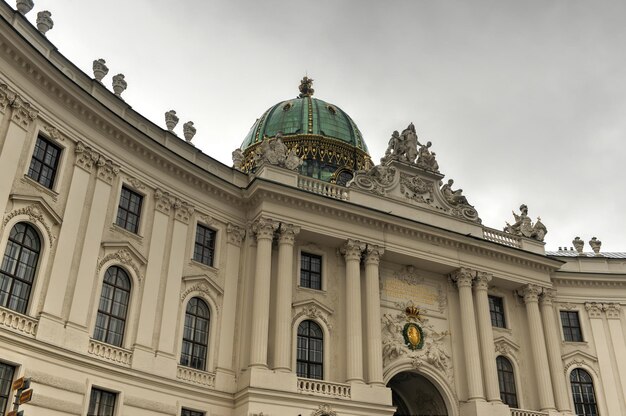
(414, 395)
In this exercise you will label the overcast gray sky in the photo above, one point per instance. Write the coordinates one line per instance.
(524, 101)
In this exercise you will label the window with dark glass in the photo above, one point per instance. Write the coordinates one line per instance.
(101, 403)
(195, 335)
(19, 266)
(44, 163)
(583, 393)
(204, 248)
(571, 326)
(6, 379)
(113, 307)
(129, 210)
(187, 412)
(310, 350)
(496, 309)
(506, 380)
(311, 271)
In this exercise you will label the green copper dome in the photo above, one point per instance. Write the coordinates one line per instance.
(322, 134)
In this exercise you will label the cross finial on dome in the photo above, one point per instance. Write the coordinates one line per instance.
(306, 87)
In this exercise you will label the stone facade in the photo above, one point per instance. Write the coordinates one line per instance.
(406, 293)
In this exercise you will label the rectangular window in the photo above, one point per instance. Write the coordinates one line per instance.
(204, 249)
(101, 403)
(129, 210)
(311, 271)
(6, 379)
(187, 412)
(43, 165)
(496, 309)
(571, 326)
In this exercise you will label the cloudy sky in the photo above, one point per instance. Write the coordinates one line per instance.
(524, 102)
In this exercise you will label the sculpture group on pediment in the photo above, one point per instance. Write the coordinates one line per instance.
(453, 197)
(377, 180)
(403, 147)
(275, 152)
(426, 158)
(524, 227)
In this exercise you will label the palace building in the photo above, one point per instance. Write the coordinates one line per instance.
(140, 276)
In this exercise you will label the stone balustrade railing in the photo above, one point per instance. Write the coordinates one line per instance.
(111, 353)
(194, 376)
(323, 388)
(501, 237)
(17, 322)
(521, 412)
(323, 188)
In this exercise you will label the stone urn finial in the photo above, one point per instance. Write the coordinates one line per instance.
(578, 244)
(237, 158)
(595, 245)
(189, 131)
(44, 21)
(119, 84)
(24, 6)
(100, 69)
(171, 120)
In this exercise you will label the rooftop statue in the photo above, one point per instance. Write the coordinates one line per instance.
(306, 87)
(453, 197)
(524, 227)
(402, 147)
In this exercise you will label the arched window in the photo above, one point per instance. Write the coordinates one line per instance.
(310, 350)
(506, 379)
(19, 265)
(114, 298)
(195, 335)
(583, 393)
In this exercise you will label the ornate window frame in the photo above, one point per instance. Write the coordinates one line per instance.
(508, 349)
(54, 136)
(205, 288)
(314, 249)
(37, 213)
(210, 223)
(311, 310)
(583, 362)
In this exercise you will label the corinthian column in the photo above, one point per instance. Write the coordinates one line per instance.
(264, 229)
(354, 339)
(282, 339)
(553, 346)
(372, 308)
(538, 347)
(463, 278)
(485, 333)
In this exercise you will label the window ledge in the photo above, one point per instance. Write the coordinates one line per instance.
(575, 343)
(204, 266)
(308, 289)
(117, 228)
(18, 322)
(28, 180)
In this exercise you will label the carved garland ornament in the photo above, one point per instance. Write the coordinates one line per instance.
(324, 410)
(203, 288)
(313, 312)
(34, 215)
(124, 257)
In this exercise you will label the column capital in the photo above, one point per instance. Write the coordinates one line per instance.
(264, 228)
(164, 201)
(23, 112)
(352, 249)
(107, 170)
(531, 293)
(594, 309)
(183, 210)
(612, 310)
(287, 233)
(86, 157)
(482, 280)
(463, 277)
(373, 253)
(547, 297)
(235, 234)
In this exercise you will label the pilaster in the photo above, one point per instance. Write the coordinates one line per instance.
(351, 251)
(538, 347)
(614, 320)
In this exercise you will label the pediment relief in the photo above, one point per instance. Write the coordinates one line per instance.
(417, 186)
(578, 359)
(38, 212)
(506, 347)
(123, 253)
(314, 309)
(202, 283)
